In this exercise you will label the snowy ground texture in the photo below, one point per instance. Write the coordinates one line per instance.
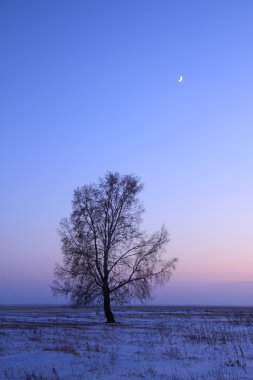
(64, 343)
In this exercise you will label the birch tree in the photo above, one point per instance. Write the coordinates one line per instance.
(107, 257)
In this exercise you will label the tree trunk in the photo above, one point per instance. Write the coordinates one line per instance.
(107, 307)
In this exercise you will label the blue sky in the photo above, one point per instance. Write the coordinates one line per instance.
(91, 86)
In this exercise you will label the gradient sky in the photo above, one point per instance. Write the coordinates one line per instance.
(91, 86)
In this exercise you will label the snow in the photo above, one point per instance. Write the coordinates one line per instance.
(174, 343)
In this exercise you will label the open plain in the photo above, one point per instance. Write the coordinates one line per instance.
(147, 342)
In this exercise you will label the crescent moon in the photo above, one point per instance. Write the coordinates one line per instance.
(180, 79)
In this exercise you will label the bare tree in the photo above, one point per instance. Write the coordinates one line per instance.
(107, 257)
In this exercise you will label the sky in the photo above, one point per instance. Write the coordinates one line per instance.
(92, 86)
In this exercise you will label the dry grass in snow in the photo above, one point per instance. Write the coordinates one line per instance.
(64, 343)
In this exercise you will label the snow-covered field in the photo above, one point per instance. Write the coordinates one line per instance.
(205, 343)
